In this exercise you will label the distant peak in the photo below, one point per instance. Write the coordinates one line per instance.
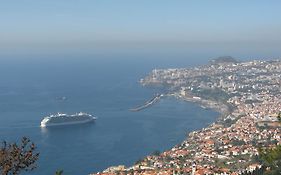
(224, 60)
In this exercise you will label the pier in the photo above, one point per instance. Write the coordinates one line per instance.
(147, 103)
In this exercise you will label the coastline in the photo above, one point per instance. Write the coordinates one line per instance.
(248, 119)
(206, 104)
(222, 109)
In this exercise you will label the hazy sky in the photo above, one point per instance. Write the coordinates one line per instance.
(85, 24)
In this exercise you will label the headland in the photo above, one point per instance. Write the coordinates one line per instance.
(248, 96)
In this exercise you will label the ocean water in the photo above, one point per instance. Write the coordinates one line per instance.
(105, 86)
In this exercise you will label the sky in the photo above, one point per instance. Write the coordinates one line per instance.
(67, 25)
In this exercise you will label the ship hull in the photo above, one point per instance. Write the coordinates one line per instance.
(47, 124)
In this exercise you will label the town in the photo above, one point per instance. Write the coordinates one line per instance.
(248, 96)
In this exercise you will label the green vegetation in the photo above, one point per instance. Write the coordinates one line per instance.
(212, 94)
(156, 153)
(279, 117)
(224, 59)
(236, 142)
(59, 172)
(260, 171)
(15, 158)
(252, 101)
(271, 158)
(228, 122)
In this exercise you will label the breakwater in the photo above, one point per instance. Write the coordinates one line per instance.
(148, 103)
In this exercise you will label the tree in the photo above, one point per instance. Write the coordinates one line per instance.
(156, 153)
(271, 158)
(279, 117)
(15, 158)
(258, 171)
(59, 172)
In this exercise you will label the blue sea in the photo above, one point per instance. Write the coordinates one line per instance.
(105, 86)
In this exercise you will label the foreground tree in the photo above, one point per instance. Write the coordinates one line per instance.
(15, 158)
(271, 157)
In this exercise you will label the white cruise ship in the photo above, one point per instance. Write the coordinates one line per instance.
(65, 119)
